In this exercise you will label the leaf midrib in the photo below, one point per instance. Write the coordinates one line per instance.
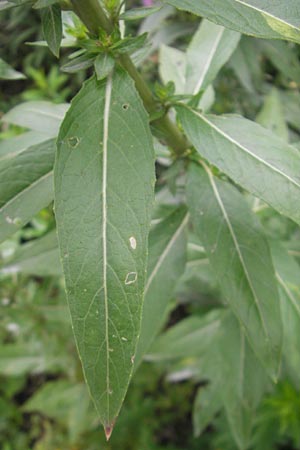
(107, 105)
(246, 150)
(236, 244)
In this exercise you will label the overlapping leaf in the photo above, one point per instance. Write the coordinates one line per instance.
(167, 248)
(240, 258)
(251, 155)
(261, 18)
(26, 186)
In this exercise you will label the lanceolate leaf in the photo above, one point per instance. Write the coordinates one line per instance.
(210, 49)
(245, 378)
(104, 178)
(288, 277)
(272, 116)
(191, 337)
(9, 148)
(251, 155)
(8, 73)
(26, 186)
(44, 117)
(167, 255)
(240, 258)
(39, 257)
(52, 27)
(261, 18)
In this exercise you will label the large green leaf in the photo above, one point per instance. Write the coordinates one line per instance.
(240, 258)
(167, 254)
(261, 18)
(251, 155)
(41, 116)
(26, 186)
(104, 178)
(209, 50)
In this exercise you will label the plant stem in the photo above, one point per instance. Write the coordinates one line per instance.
(94, 17)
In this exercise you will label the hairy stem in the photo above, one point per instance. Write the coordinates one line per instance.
(94, 17)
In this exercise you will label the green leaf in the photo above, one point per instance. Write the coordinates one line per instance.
(139, 13)
(209, 50)
(284, 57)
(104, 178)
(65, 402)
(251, 155)
(9, 148)
(191, 337)
(8, 73)
(207, 403)
(44, 3)
(271, 116)
(172, 67)
(26, 186)
(240, 257)
(82, 62)
(44, 117)
(245, 383)
(260, 18)
(39, 257)
(288, 276)
(104, 64)
(167, 248)
(129, 44)
(52, 27)
(291, 105)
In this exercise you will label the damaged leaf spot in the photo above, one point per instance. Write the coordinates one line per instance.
(131, 278)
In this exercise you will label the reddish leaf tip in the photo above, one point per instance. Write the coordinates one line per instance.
(108, 429)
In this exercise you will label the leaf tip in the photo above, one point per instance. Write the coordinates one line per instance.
(108, 429)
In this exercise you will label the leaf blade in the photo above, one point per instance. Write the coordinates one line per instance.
(113, 229)
(241, 149)
(261, 19)
(241, 260)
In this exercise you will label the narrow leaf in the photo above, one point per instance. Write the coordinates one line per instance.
(167, 248)
(272, 117)
(191, 337)
(288, 277)
(52, 27)
(39, 257)
(44, 117)
(246, 380)
(251, 155)
(139, 13)
(8, 73)
(104, 178)
(240, 258)
(104, 64)
(9, 148)
(207, 403)
(26, 186)
(260, 18)
(209, 50)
